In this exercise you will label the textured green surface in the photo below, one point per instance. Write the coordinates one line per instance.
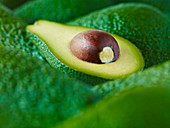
(12, 3)
(58, 10)
(54, 62)
(163, 5)
(159, 74)
(135, 108)
(32, 95)
(12, 33)
(143, 25)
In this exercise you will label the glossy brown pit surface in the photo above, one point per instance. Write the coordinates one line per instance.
(95, 46)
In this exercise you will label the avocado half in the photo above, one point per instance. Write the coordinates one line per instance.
(57, 38)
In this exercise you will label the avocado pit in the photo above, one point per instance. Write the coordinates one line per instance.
(95, 46)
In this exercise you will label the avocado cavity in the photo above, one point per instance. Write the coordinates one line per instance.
(106, 55)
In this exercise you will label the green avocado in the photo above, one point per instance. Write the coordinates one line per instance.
(163, 5)
(135, 108)
(33, 95)
(130, 102)
(58, 10)
(13, 34)
(147, 78)
(55, 44)
(12, 3)
(143, 25)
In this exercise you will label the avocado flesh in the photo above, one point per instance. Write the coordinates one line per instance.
(13, 34)
(58, 36)
(143, 25)
(34, 95)
(134, 108)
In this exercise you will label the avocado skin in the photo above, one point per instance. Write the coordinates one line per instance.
(33, 95)
(13, 34)
(135, 108)
(163, 5)
(158, 74)
(143, 25)
(58, 10)
(12, 3)
(138, 101)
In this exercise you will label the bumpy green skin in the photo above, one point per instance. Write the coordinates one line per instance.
(135, 108)
(12, 33)
(12, 3)
(159, 74)
(33, 95)
(163, 5)
(143, 25)
(55, 63)
(58, 10)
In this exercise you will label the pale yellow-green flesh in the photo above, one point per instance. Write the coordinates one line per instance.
(58, 36)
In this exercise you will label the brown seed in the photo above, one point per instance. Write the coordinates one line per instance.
(95, 46)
